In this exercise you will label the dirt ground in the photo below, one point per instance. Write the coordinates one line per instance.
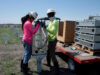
(10, 56)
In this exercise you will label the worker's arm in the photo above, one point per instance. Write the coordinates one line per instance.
(33, 30)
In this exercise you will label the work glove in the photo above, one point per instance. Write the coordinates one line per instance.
(43, 25)
(40, 23)
(37, 22)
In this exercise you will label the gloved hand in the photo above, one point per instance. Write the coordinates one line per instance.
(42, 24)
(37, 22)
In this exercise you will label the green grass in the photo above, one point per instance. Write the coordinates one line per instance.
(9, 66)
(13, 39)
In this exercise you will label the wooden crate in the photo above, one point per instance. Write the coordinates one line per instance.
(66, 31)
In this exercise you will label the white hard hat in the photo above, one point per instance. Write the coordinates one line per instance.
(50, 10)
(33, 14)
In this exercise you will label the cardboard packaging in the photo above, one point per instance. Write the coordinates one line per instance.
(66, 31)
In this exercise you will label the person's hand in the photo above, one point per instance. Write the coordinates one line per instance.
(37, 22)
(42, 24)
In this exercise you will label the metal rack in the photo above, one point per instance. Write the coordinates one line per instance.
(87, 33)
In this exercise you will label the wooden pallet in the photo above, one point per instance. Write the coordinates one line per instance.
(85, 49)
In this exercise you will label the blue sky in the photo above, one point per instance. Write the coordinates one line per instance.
(11, 11)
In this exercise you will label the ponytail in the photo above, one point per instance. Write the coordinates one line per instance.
(23, 20)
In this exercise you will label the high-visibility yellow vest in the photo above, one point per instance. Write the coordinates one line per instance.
(52, 30)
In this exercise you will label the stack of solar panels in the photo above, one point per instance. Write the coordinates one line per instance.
(87, 33)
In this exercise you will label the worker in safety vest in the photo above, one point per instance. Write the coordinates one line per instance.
(52, 30)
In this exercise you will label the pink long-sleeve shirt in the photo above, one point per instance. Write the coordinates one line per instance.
(28, 31)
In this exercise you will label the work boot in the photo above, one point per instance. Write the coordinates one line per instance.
(25, 70)
(27, 67)
(21, 65)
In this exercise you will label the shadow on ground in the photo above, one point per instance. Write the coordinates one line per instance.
(63, 71)
(85, 69)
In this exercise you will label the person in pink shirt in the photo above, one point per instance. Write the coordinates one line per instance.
(28, 31)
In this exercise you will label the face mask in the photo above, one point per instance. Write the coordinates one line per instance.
(51, 18)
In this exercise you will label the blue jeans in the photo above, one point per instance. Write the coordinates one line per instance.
(27, 52)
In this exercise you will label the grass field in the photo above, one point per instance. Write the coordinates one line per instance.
(8, 59)
(12, 34)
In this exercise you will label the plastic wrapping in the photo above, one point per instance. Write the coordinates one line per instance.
(39, 45)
